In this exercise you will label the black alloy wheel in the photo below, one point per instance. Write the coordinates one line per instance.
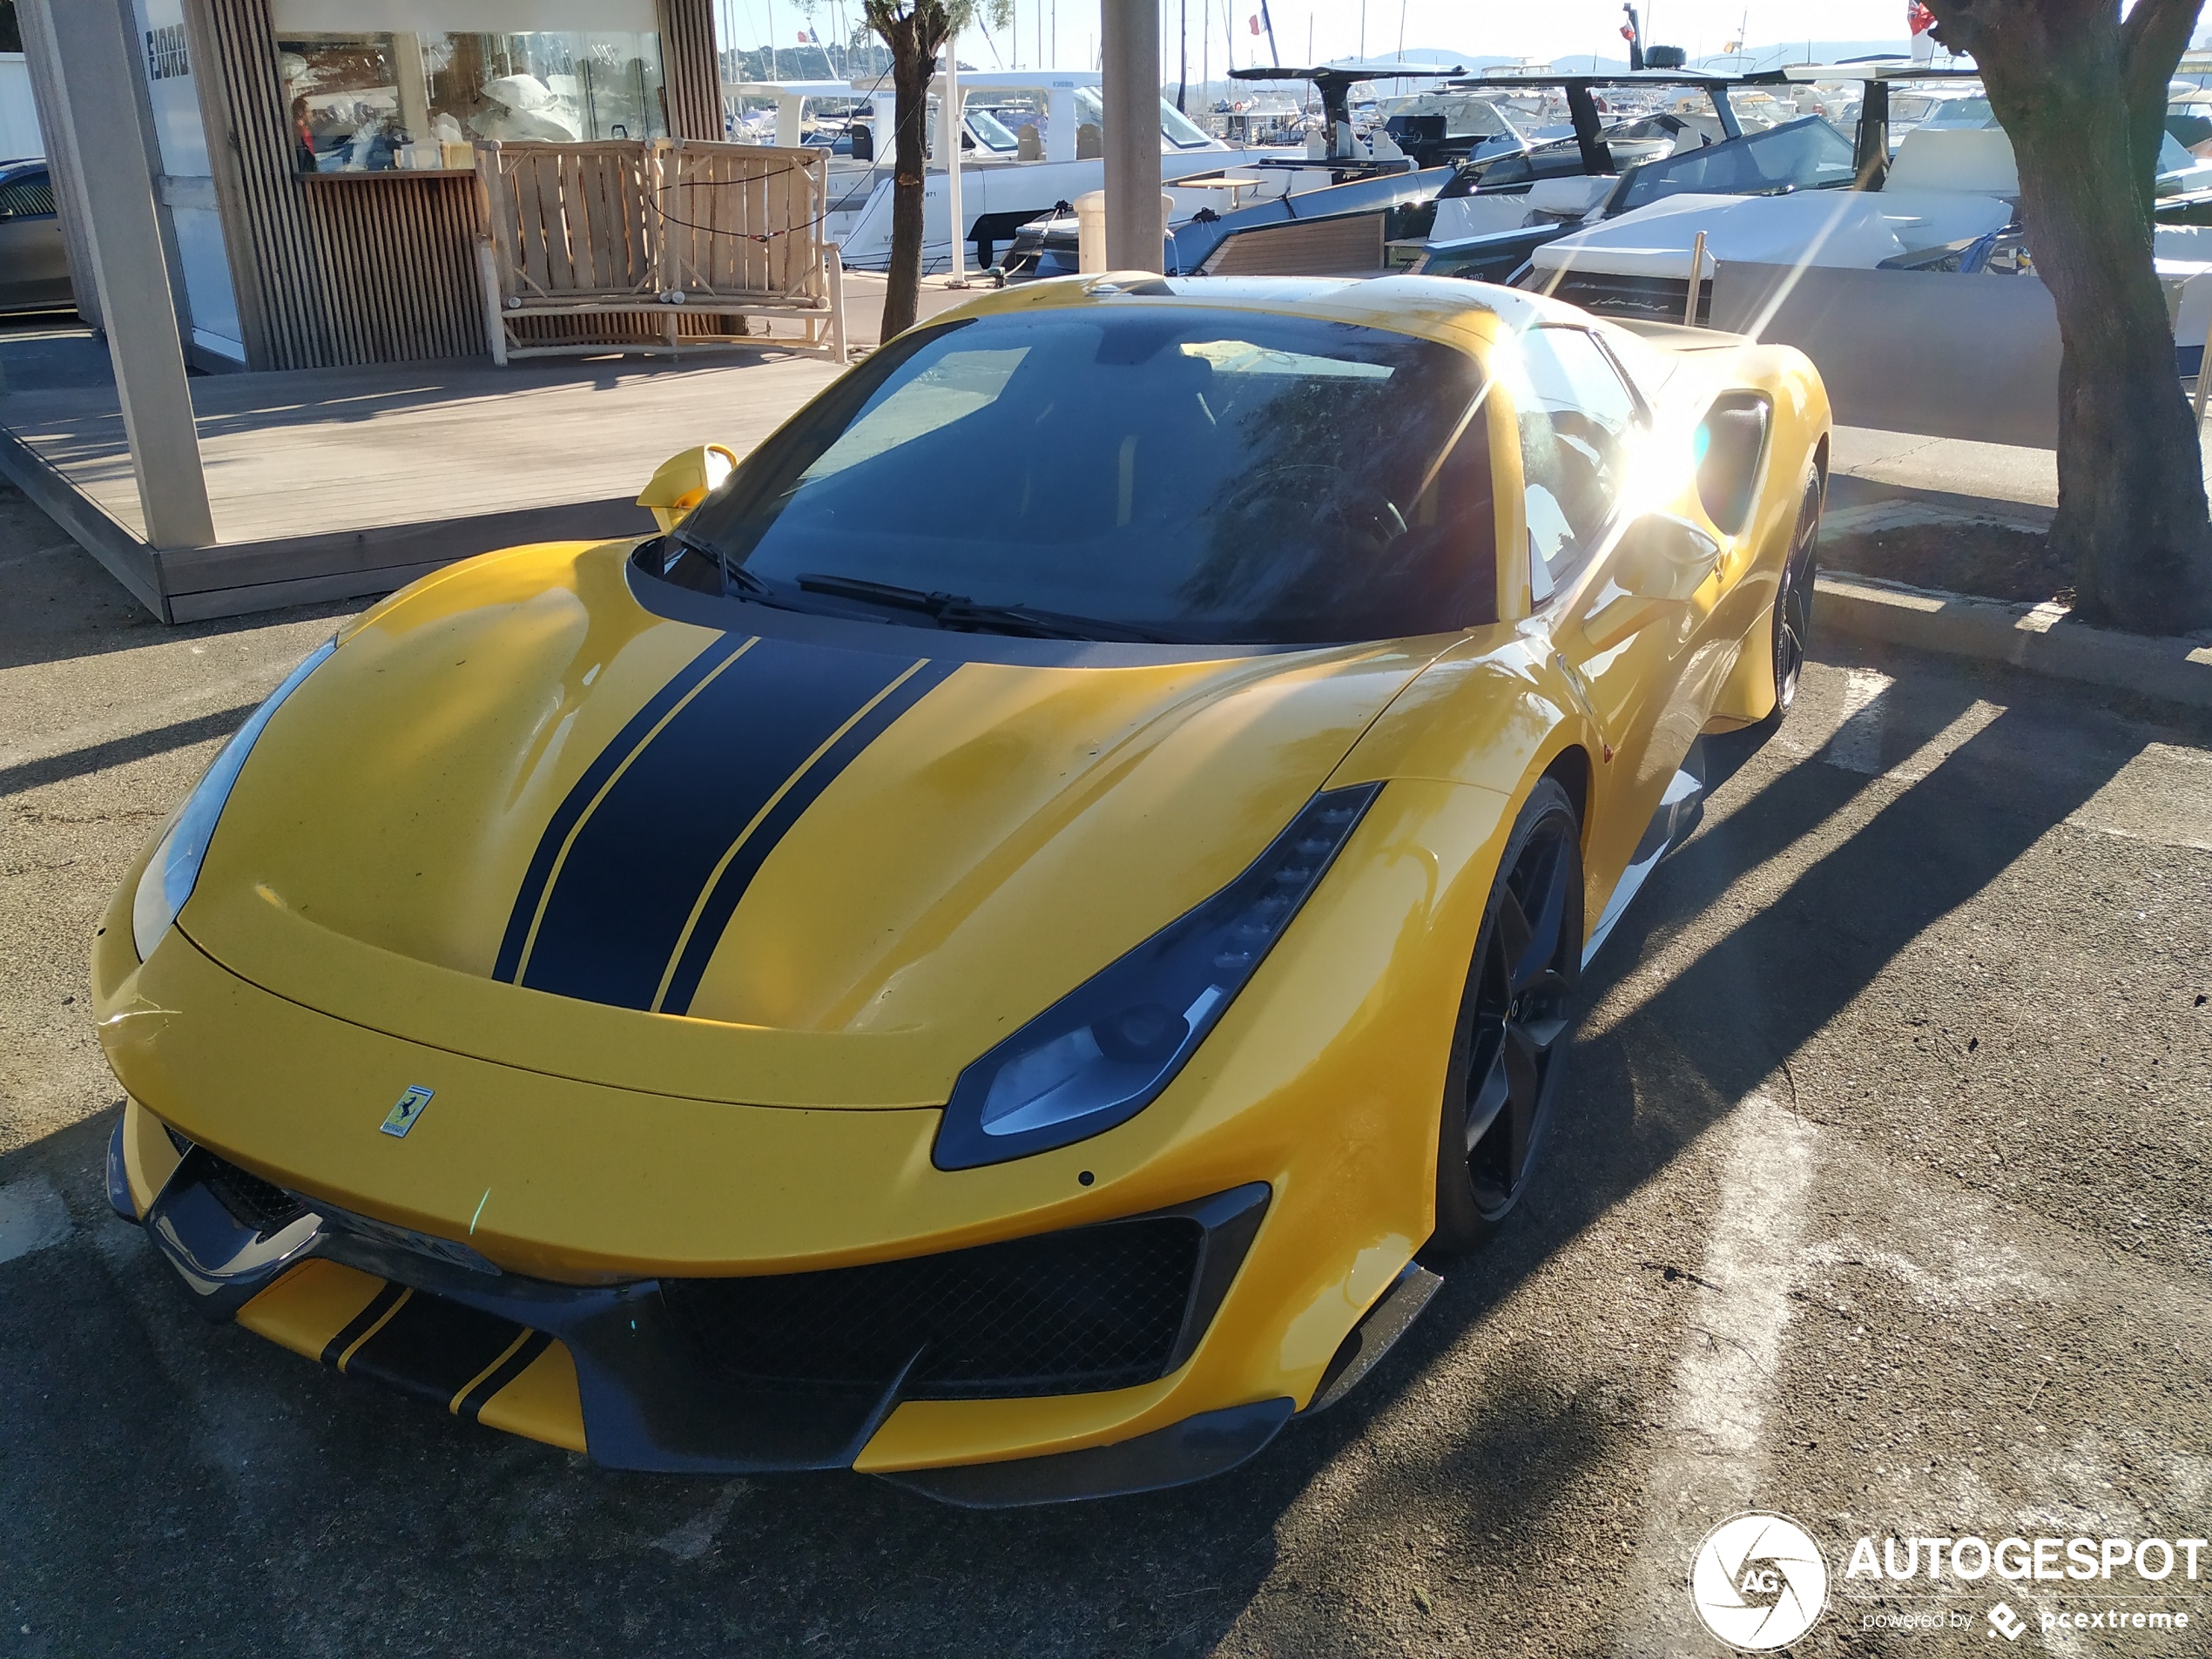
(1510, 1044)
(1793, 598)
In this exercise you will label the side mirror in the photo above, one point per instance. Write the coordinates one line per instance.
(1660, 562)
(685, 480)
(1664, 558)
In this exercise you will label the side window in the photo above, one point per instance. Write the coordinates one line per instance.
(1445, 564)
(29, 197)
(1576, 418)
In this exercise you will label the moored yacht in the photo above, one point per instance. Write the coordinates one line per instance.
(1029, 140)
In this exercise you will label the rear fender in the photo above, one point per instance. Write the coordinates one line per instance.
(1796, 449)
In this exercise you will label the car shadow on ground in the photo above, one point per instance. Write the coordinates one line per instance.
(244, 1494)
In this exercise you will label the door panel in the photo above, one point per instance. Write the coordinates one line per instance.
(34, 268)
(1646, 669)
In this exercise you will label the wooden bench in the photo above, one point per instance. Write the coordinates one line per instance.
(657, 245)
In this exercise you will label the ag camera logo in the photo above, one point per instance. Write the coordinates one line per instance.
(1759, 1581)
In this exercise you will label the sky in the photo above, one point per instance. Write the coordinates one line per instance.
(1539, 28)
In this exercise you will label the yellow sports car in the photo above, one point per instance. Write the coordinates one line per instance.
(994, 950)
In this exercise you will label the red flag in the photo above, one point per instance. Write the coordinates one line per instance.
(1254, 23)
(1917, 17)
(1627, 33)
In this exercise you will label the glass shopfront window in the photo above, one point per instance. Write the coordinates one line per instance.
(416, 100)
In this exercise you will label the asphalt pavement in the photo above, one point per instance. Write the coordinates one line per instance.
(1877, 1201)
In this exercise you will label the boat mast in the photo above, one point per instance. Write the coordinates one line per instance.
(1182, 56)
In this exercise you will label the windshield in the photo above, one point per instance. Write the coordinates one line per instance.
(1165, 472)
(989, 131)
(1963, 112)
(1180, 130)
(1176, 127)
(1464, 117)
(1803, 155)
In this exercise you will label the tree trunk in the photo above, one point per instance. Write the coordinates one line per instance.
(2059, 75)
(914, 38)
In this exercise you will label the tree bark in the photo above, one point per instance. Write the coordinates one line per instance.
(913, 35)
(2083, 96)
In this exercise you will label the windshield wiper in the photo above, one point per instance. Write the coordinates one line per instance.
(958, 611)
(736, 581)
(733, 575)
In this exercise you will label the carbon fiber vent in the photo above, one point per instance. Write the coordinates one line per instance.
(252, 1202)
(1064, 1313)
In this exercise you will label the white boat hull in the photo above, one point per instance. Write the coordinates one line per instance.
(862, 229)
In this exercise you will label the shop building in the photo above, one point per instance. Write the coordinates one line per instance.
(315, 160)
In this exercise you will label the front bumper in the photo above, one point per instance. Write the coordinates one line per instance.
(1321, 1089)
(667, 1377)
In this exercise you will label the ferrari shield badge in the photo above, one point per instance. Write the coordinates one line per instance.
(402, 1117)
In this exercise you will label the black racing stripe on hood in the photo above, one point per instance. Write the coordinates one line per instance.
(578, 799)
(644, 858)
(729, 886)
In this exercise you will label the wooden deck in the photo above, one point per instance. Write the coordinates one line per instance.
(334, 483)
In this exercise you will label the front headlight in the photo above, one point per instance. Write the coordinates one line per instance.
(175, 865)
(1103, 1052)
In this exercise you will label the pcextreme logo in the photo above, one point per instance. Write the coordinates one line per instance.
(1759, 1581)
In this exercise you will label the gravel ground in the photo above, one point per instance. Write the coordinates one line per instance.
(1877, 1200)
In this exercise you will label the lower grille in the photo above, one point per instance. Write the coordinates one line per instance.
(252, 1202)
(1064, 1313)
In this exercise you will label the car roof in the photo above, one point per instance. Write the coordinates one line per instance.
(1448, 310)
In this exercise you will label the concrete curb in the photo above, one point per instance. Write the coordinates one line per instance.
(2039, 638)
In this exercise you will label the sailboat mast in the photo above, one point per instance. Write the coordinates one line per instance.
(1182, 56)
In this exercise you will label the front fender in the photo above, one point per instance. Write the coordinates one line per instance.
(1494, 711)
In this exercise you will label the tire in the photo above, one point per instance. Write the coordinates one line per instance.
(1793, 596)
(1517, 1017)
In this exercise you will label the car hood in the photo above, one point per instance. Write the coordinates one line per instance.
(788, 860)
(1829, 228)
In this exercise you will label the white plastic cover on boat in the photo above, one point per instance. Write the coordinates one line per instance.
(1572, 197)
(1459, 217)
(1978, 161)
(1833, 227)
(2183, 258)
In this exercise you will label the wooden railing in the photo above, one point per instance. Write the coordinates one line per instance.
(676, 244)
